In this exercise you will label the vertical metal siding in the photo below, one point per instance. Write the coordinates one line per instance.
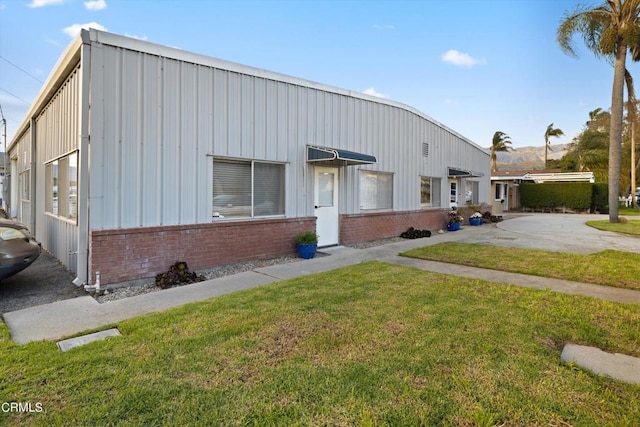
(56, 133)
(162, 119)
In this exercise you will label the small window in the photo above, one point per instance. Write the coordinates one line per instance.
(72, 186)
(471, 193)
(25, 185)
(429, 191)
(247, 189)
(376, 190)
(61, 178)
(51, 200)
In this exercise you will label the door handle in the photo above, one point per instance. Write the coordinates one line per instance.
(316, 207)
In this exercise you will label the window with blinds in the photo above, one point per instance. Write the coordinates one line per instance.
(376, 190)
(247, 189)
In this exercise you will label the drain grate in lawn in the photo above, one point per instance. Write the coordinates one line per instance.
(70, 343)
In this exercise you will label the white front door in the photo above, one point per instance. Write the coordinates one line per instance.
(453, 193)
(325, 199)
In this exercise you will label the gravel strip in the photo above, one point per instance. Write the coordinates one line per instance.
(108, 295)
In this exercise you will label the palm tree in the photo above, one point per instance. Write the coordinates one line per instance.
(594, 115)
(608, 31)
(547, 134)
(501, 142)
(632, 107)
(599, 120)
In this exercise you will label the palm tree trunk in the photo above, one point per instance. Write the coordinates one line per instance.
(632, 110)
(615, 136)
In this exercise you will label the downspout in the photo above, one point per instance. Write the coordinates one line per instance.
(82, 266)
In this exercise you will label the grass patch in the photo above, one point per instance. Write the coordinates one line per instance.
(631, 227)
(371, 344)
(622, 210)
(610, 268)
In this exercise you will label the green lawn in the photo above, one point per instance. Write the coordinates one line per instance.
(372, 344)
(628, 211)
(609, 267)
(631, 227)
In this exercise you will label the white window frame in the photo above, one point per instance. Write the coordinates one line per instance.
(243, 206)
(435, 187)
(371, 188)
(61, 178)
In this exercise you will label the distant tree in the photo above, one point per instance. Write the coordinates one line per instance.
(551, 131)
(609, 31)
(589, 151)
(500, 142)
(599, 120)
(593, 115)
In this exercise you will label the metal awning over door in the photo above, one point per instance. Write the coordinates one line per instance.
(337, 157)
(456, 173)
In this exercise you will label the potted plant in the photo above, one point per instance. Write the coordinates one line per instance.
(455, 219)
(307, 244)
(475, 219)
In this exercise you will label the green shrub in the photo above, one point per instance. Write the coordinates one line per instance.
(600, 198)
(572, 195)
(307, 238)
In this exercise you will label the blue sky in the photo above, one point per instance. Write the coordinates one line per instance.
(477, 66)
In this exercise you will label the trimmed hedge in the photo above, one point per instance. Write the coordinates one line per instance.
(572, 195)
(600, 198)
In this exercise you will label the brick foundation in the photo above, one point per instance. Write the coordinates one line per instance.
(124, 255)
(380, 225)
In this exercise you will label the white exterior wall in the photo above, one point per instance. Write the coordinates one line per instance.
(158, 115)
(20, 163)
(57, 134)
(156, 122)
(51, 133)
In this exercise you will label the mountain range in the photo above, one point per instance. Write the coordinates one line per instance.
(529, 157)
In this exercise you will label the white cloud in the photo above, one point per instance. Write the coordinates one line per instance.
(144, 38)
(74, 30)
(371, 91)
(383, 27)
(95, 4)
(40, 3)
(460, 58)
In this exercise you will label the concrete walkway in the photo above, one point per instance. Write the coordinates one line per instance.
(539, 231)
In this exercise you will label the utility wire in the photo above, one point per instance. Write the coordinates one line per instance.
(15, 96)
(26, 72)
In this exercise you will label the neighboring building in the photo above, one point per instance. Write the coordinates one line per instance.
(504, 184)
(136, 155)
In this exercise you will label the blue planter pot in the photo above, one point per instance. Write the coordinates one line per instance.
(475, 221)
(307, 250)
(453, 226)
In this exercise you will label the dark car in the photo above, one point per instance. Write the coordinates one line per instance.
(17, 249)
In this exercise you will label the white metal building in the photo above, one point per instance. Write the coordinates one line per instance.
(135, 155)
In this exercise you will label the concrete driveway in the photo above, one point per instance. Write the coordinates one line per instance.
(556, 232)
(43, 282)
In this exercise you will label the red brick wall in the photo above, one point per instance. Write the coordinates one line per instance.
(380, 225)
(123, 255)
